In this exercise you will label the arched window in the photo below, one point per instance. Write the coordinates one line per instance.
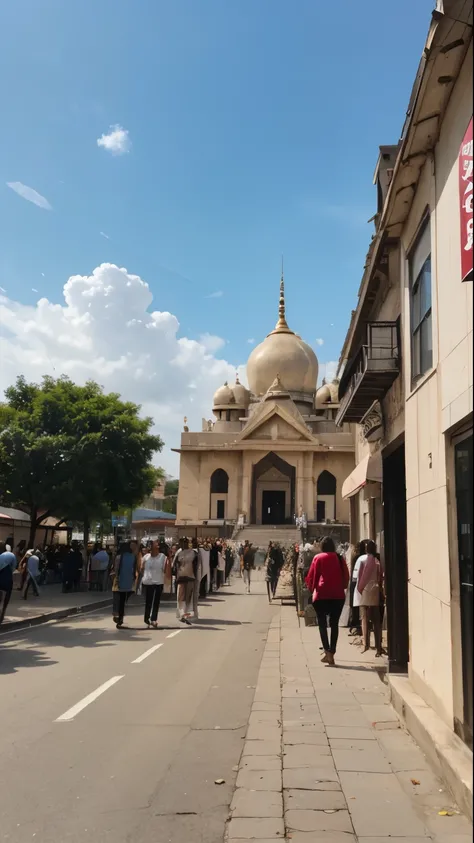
(326, 497)
(219, 482)
(326, 483)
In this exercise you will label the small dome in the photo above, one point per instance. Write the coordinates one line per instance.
(323, 395)
(334, 390)
(283, 353)
(241, 394)
(224, 396)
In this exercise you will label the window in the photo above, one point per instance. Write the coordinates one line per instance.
(420, 303)
(320, 511)
(219, 482)
(221, 510)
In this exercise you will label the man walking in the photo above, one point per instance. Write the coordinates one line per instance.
(246, 564)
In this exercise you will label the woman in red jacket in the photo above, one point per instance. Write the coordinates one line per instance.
(327, 579)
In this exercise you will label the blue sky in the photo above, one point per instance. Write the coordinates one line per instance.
(254, 129)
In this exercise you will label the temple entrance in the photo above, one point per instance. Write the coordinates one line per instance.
(273, 491)
(273, 507)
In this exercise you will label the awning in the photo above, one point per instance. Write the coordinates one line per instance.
(367, 470)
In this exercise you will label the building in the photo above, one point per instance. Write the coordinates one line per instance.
(406, 380)
(156, 499)
(273, 450)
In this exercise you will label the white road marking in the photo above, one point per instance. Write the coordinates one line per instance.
(146, 654)
(76, 709)
(172, 634)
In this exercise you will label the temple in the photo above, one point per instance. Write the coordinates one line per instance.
(273, 451)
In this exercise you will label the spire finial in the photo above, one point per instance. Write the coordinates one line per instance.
(281, 324)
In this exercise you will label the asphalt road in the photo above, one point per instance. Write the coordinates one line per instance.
(106, 736)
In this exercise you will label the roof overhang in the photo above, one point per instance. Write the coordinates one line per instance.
(368, 470)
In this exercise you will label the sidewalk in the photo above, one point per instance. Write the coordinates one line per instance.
(52, 604)
(325, 757)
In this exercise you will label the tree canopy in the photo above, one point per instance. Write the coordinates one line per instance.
(68, 450)
(171, 496)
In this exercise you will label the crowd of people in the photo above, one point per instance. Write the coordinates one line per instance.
(194, 568)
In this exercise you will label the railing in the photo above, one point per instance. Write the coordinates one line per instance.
(380, 353)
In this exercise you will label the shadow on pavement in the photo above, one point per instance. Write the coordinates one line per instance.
(12, 659)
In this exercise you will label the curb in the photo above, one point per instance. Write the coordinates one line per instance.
(37, 620)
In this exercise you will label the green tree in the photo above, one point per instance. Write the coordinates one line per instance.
(70, 450)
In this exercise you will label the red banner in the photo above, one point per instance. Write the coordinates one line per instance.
(465, 197)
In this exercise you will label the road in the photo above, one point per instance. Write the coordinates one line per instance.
(151, 719)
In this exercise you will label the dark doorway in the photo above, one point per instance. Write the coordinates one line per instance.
(396, 562)
(463, 475)
(272, 460)
(320, 511)
(221, 509)
(273, 507)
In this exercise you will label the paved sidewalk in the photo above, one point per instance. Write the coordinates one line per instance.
(325, 758)
(50, 605)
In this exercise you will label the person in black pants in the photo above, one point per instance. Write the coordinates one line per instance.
(155, 567)
(327, 579)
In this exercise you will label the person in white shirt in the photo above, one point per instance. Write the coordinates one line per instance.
(155, 568)
(32, 565)
(100, 562)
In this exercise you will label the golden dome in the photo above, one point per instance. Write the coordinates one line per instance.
(223, 396)
(323, 395)
(241, 394)
(285, 355)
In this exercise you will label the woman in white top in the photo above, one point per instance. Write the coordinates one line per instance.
(154, 569)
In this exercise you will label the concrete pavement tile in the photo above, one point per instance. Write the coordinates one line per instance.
(266, 718)
(322, 837)
(337, 696)
(255, 828)
(260, 762)
(402, 751)
(378, 806)
(394, 840)
(263, 732)
(260, 840)
(318, 821)
(314, 800)
(262, 747)
(256, 803)
(294, 737)
(311, 778)
(348, 731)
(260, 779)
(340, 715)
(367, 760)
(380, 713)
(296, 709)
(295, 757)
(349, 743)
(304, 724)
(372, 697)
(265, 706)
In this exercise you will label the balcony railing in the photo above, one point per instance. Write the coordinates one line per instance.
(371, 372)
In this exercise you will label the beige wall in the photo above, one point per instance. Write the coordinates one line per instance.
(341, 465)
(441, 399)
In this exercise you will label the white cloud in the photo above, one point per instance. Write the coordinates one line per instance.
(217, 295)
(117, 141)
(105, 329)
(211, 342)
(29, 194)
(103, 234)
(34, 290)
(251, 341)
(319, 341)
